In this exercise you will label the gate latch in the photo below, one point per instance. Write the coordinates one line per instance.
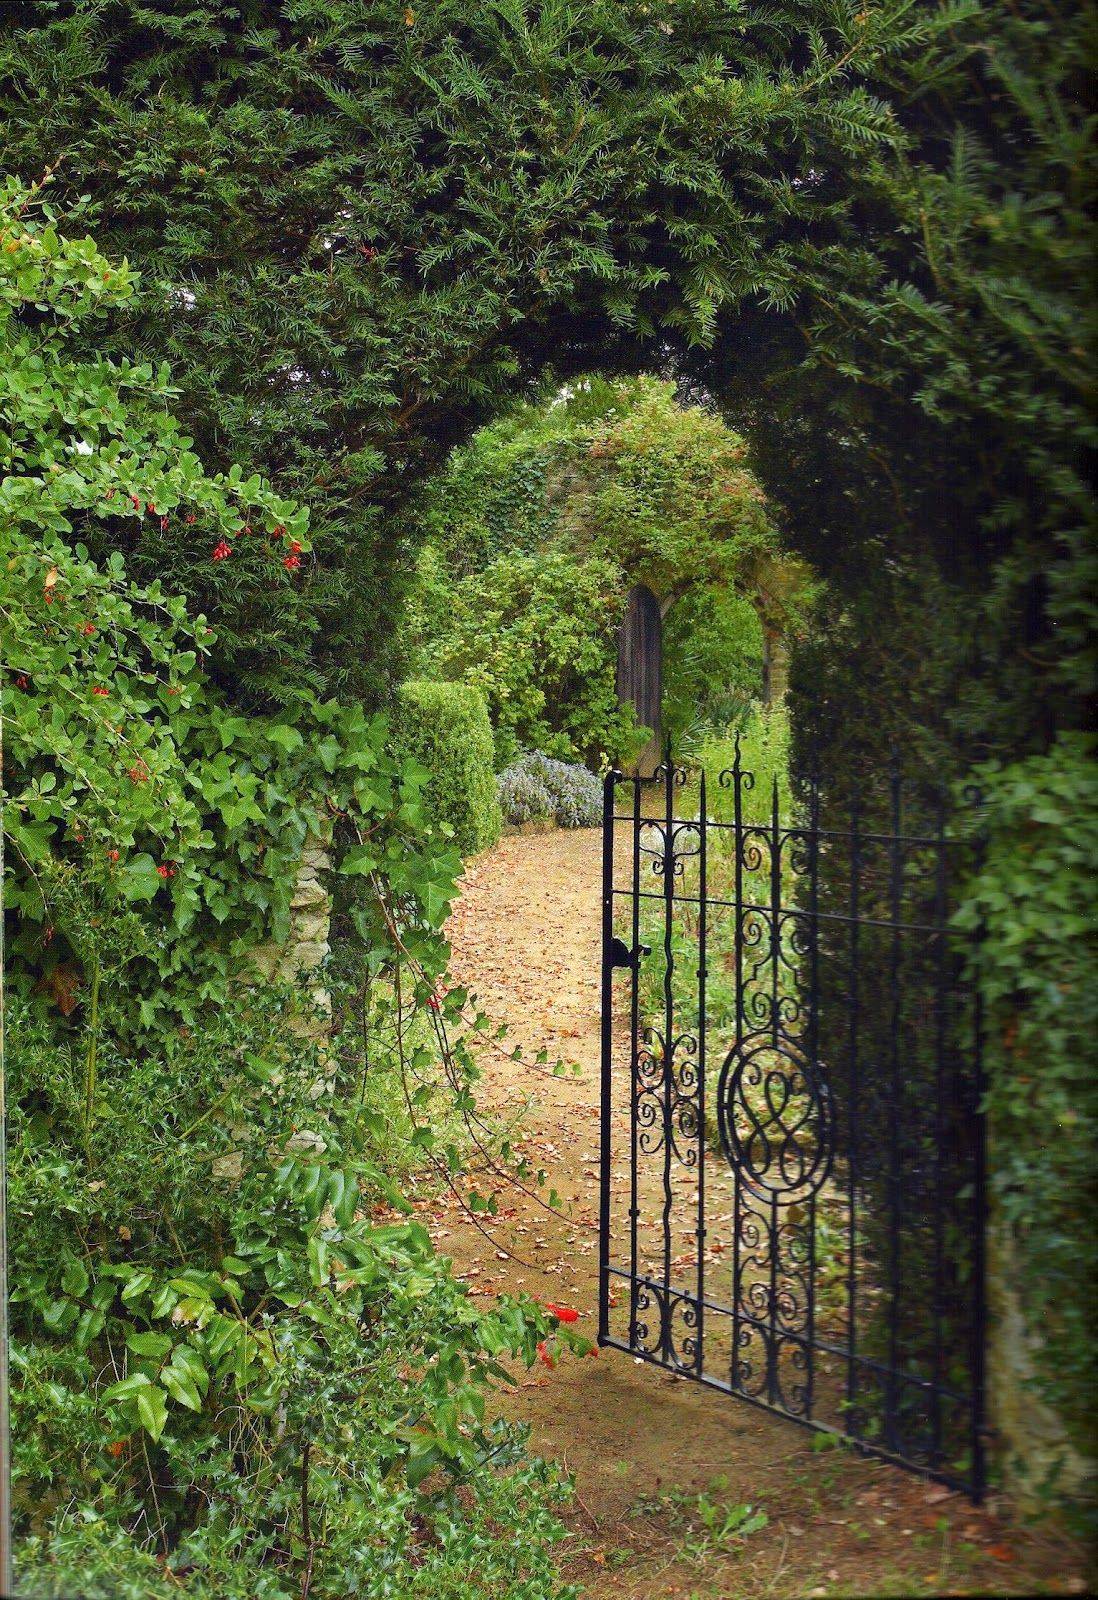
(620, 954)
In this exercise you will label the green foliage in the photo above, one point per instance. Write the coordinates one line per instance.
(1038, 973)
(537, 634)
(133, 791)
(539, 526)
(250, 1370)
(238, 1360)
(712, 662)
(534, 185)
(445, 727)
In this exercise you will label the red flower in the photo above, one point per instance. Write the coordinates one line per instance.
(165, 871)
(22, 682)
(292, 563)
(136, 500)
(189, 518)
(562, 1313)
(279, 531)
(247, 528)
(88, 629)
(295, 546)
(545, 1355)
(163, 524)
(138, 773)
(98, 690)
(221, 551)
(150, 508)
(112, 855)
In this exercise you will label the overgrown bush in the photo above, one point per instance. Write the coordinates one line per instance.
(1037, 968)
(237, 1360)
(538, 635)
(535, 788)
(445, 727)
(539, 526)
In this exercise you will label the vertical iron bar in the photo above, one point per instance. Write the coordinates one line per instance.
(979, 1223)
(634, 1042)
(813, 1044)
(607, 1051)
(941, 985)
(668, 1041)
(894, 1243)
(853, 1090)
(703, 915)
(775, 911)
(775, 977)
(738, 844)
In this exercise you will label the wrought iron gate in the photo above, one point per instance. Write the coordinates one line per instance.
(792, 1150)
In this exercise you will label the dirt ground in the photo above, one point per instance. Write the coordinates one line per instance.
(662, 1466)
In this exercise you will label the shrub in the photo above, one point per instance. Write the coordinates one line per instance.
(445, 727)
(1038, 975)
(237, 1360)
(537, 788)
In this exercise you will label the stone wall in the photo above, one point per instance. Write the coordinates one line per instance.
(1032, 1447)
(310, 918)
(299, 957)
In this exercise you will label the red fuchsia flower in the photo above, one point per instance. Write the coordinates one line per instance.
(292, 563)
(546, 1356)
(112, 855)
(562, 1313)
(221, 551)
(165, 871)
(98, 690)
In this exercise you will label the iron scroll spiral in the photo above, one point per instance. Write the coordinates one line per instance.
(775, 1119)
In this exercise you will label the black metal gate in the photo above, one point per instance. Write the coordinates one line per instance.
(792, 1149)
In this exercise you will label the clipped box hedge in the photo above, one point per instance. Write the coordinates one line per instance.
(445, 727)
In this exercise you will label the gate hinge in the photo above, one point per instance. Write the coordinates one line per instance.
(620, 955)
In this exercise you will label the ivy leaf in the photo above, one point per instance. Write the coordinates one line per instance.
(152, 1410)
(138, 878)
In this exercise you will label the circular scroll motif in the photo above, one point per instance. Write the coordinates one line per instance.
(775, 1119)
